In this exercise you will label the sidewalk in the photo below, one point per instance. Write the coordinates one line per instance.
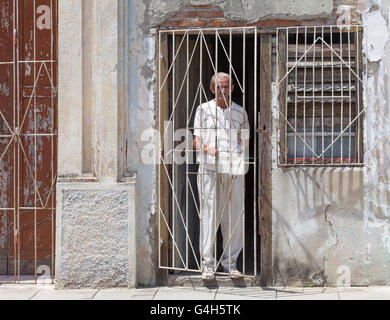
(47, 292)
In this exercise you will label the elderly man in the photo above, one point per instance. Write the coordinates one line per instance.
(221, 130)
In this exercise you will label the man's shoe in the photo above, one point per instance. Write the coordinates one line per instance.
(208, 273)
(234, 273)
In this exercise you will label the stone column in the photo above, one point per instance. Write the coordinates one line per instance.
(95, 227)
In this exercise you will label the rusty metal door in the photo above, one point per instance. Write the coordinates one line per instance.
(28, 139)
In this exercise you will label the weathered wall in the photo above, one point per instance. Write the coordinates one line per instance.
(97, 235)
(318, 225)
(322, 218)
(95, 219)
(144, 16)
(70, 82)
(330, 221)
(247, 10)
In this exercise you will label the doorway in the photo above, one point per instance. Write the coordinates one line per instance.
(188, 60)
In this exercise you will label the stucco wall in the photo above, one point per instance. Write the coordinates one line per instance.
(144, 17)
(247, 10)
(95, 217)
(322, 218)
(330, 221)
(97, 235)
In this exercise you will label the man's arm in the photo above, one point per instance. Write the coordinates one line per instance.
(198, 143)
(206, 149)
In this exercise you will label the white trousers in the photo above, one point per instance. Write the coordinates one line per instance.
(222, 204)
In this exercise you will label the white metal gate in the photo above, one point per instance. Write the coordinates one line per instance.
(188, 58)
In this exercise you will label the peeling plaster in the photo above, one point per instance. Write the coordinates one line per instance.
(148, 14)
(330, 215)
(313, 225)
(377, 176)
(376, 35)
(156, 11)
(142, 116)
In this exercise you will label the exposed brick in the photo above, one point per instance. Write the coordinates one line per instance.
(170, 23)
(184, 23)
(185, 14)
(192, 23)
(317, 22)
(225, 23)
(203, 6)
(265, 23)
(277, 23)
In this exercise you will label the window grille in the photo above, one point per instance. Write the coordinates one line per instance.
(320, 95)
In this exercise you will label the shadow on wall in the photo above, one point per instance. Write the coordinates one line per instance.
(305, 226)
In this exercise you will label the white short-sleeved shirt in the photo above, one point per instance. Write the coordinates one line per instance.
(220, 128)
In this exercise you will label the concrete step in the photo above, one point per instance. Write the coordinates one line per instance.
(190, 279)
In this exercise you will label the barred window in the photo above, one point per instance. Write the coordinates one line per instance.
(320, 95)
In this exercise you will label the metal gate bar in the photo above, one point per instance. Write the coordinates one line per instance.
(170, 220)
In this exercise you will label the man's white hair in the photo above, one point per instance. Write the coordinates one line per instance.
(219, 76)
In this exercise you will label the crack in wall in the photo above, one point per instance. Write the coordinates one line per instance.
(327, 220)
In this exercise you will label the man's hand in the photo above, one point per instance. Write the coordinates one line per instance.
(206, 149)
(210, 150)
